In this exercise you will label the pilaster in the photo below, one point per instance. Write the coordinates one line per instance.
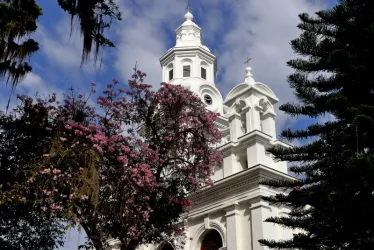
(255, 118)
(259, 212)
(268, 124)
(256, 154)
(229, 164)
(235, 123)
(248, 122)
(232, 227)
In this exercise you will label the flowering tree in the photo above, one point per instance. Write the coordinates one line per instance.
(123, 171)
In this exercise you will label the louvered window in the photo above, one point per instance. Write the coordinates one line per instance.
(187, 71)
(203, 73)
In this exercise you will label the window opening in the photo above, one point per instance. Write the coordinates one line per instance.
(203, 73)
(187, 71)
(208, 99)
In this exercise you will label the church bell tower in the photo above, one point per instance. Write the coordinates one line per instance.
(191, 64)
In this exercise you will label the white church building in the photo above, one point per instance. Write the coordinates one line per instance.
(230, 214)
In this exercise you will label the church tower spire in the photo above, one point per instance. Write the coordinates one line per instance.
(189, 33)
(191, 64)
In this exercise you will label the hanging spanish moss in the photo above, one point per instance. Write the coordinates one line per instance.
(17, 23)
(95, 17)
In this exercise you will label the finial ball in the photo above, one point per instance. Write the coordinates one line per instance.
(188, 16)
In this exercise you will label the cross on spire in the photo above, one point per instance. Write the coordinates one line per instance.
(247, 62)
(188, 8)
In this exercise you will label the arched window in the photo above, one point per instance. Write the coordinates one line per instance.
(211, 241)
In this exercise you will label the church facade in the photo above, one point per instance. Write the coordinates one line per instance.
(229, 215)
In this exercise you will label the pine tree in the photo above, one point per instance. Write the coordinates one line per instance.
(332, 203)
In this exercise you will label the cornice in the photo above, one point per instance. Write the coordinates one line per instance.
(240, 188)
(246, 140)
(187, 50)
(245, 180)
(249, 88)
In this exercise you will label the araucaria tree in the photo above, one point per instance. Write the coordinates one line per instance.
(122, 171)
(333, 202)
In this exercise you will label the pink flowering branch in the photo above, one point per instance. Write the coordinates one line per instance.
(118, 183)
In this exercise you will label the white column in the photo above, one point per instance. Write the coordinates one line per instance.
(268, 124)
(260, 211)
(248, 122)
(232, 228)
(195, 71)
(230, 165)
(256, 154)
(235, 123)
(177, 67)
(255, 118)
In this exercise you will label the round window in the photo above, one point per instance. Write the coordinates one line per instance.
(208, 99)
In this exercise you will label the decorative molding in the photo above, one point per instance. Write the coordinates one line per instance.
(206, 221)
(244, 181)
(233, 116)
(202, 230)
(232, 209)
(193, 50)
(246, 140)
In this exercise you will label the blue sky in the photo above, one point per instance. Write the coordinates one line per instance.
(233, 30)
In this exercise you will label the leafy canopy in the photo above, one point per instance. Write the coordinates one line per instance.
(114, 171)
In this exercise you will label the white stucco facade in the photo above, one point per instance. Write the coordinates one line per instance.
(233, 207)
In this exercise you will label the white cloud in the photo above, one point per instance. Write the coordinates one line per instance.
(32, 80)
(63, 48)
(143, 37)
(264, 34)
(32, 84)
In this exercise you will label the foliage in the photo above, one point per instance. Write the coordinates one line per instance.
(18, 21)
(117, 170)
(331, 205)
(22, 224)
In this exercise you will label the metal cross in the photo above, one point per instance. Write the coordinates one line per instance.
(188, 8)
(247, 62)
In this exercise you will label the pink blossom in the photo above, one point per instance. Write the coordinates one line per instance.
(122, 159)
(56, 171)
(98, 148)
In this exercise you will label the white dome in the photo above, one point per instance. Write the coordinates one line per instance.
(205, 47)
